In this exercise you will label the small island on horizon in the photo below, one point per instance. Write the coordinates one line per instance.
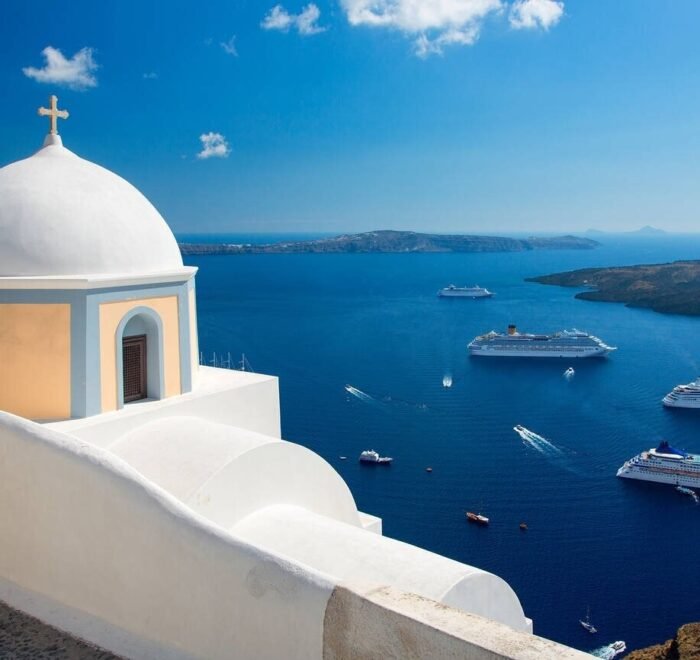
(392, 241)
(646, 231)
(670, 288)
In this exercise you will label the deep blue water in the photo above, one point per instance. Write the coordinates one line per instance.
(628, 550)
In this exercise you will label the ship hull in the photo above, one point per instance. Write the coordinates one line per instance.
(489, 352)
(670, 477)
(458, 294)
(680, 403)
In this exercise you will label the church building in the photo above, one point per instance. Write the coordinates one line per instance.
(96, 307)
(148, 504)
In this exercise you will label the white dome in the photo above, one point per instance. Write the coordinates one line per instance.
(62, 215)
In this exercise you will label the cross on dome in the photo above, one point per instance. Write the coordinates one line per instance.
(53, 113)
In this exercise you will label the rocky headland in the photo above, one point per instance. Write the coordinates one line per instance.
(396, 242)
(672, 288)
(684, 646)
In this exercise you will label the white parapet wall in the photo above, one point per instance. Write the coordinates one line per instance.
(242, 399)
(388, 624)
(95, 548)
(354, 556)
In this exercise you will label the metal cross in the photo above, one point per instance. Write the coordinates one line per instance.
(53, 113)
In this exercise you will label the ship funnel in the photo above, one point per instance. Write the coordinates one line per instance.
(511, 329)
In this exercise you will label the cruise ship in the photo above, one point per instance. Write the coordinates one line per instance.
(665, 465)
(564, 344)
(453, 291)
(684, 396)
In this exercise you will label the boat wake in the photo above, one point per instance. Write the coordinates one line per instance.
(690, 492)
(387, 400)
(537, 442)
(362, 396)
(609, 651)
(562, 457)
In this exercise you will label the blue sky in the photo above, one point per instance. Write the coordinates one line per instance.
(349, 115)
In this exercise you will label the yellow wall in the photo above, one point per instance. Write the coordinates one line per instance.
(35, 378)
(110, 316)
(194, 341)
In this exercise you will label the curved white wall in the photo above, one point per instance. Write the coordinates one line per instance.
(92, 547)
(354, 556)
(225, 473)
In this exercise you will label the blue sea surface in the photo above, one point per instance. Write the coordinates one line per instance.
(627, 549)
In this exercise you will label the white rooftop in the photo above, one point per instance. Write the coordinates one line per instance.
(63, 215)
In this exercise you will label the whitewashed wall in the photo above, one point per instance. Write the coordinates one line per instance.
(88, 545)
(93, 548)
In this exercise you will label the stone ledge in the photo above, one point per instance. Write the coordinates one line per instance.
(386, 623)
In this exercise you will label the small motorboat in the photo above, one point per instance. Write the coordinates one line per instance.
(447, 381)
(477, 518)
(371, 456)
(523, 526)
(569, 373)
(343, 458)
(428, 469)
(586, 623)
(616, 648)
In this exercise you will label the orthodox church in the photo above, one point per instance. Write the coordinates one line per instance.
(148, 504)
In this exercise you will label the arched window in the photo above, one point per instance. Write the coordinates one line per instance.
(139, 347)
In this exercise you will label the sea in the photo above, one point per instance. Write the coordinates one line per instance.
(626, 550)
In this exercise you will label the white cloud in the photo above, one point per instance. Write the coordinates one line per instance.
(531, 14)
(419, 15)
(150, 75)
(76, 72)
(305, 22)
(424, 46)
(433, 24)
(214, 145)
(436, 24)
(229, 47)
(278, 18)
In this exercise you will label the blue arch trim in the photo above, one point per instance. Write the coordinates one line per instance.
(151, 315)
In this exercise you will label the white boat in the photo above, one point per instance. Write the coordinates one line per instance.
(477, 518)
(569, 373)
(371, 456)
(586, 623)
(664, 465)
(453, 291)
(447, 380)
(564, 344)
(684, 396)
(616, 648)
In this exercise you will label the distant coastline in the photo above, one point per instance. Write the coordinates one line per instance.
(388, 241)
(670, 288)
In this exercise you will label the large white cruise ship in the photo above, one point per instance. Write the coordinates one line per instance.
(664, 465)
(684, 396)
(453, 291)
(564, 344)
